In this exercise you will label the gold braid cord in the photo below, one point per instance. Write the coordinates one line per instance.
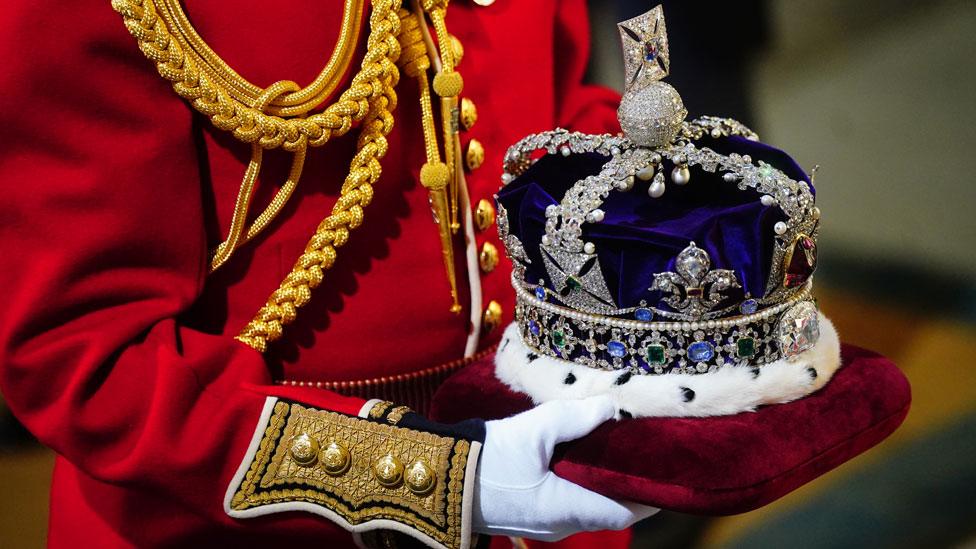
(248, 123)
(216, 91)
(357, 191)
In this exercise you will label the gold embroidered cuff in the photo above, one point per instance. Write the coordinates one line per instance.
(361, 473)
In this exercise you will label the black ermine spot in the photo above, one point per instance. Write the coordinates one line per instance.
(812, 372)
(624, 378)
(504, 344)
(688, 394)
(531, 357)
(626, 415)
(570, 379)
(755, 373)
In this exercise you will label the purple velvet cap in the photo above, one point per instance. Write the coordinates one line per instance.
(640, 236)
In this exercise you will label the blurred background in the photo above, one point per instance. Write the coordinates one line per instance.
(881, 95)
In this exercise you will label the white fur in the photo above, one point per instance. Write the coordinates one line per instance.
(728, 390)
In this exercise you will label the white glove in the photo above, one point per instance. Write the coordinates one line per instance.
(516, 493)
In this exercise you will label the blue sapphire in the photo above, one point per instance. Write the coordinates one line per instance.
(650, 50)
(534, 328)
(617, 349)
(701, 351)
(540, 292)
(749, 306)
(644, 314)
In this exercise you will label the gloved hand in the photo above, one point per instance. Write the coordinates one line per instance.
(516, 493)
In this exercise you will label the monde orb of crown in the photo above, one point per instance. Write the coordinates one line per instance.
(651, 116)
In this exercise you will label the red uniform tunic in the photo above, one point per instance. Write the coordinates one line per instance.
(117, 348)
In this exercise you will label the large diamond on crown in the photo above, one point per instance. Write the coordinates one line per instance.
(798, 329)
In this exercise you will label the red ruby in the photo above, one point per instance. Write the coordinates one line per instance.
(803, 261)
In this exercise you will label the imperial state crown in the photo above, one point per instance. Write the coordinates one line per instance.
(679, 249)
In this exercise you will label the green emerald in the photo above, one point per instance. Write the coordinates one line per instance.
(745, 347)
(574, 283)
(558, 337)
(655, 355)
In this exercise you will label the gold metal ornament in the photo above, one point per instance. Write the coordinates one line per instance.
(335, 459)
(304, 450)
(388, 471)
(420, 478)
(492, 317)
(469, 113)
(475, 155)
(484, 214)
(488, 258)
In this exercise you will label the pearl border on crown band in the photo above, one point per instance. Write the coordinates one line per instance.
(729, 390)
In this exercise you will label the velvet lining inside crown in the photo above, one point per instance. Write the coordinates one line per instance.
(641, 236)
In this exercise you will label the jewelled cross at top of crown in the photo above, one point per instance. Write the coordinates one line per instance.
(645, 43)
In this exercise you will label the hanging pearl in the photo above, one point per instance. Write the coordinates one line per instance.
(779, 227)
(716, 133)
(565, 151)
(656, 158)
(595, 216)
(626, 184)
(506, 178)
(767, 200)
(646, 173)
(680, 175)
(815, 212)
(545, 239)
(729, 177)
(589, 247)
(656, 189)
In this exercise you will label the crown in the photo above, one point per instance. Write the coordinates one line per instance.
(677, 247)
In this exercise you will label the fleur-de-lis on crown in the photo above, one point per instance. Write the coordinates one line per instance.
(645, 42)
(694, 289)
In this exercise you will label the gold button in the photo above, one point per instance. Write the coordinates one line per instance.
(458, 49)
(420, 479)
(488, 258)
(335, 459)
(388, 471)
(469, 113)
(492, 317)
(484, 214)
(304, 450)
(475, 156)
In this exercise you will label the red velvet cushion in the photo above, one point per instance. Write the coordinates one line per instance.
(715, 466)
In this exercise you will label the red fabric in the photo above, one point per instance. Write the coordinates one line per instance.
(116, 349)
(719, 465)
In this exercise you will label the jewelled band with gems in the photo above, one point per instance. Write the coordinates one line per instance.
(609, 343)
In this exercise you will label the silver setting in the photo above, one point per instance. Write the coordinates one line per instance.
(650, 111)
(578, 280)
(694, 290)
(609, 343)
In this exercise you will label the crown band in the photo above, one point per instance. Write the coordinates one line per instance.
(647, 348)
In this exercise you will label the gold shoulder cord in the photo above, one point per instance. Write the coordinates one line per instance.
(278, 116)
